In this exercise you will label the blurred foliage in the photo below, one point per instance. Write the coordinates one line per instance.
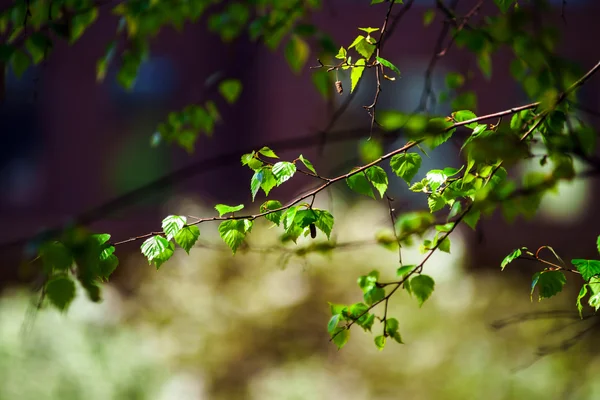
(212, 326)
(491, 145)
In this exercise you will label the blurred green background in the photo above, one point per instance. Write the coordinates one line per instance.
(214, 326)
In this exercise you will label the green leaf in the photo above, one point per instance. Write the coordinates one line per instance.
(274, 217)
(296, 53)
(445, 245)
(374, 295)
(472, 217)
(380, 340)
(340, 336)
(324, 221)
(108, 262)
(598, 244)
(157, 249)
(251, 161)
(19, 62)
(581, 295)
(454, 80)
(80, 22)
(187, 237)
(428, 17)
(406, 165)
(267, 152)
(378, 178)
(230, 89)
(233, 232)
(356, 73)
(370, 150)
(360, 184)
(55, 256)
(422, 286)
(367, 282)
(342, 54)
(436, 202)
(307, 164)
(465, 115)
(173, 224)
(38, 45)
(549, 283)
(388, 64)
(510, 258)
(368, 30)
(391, 329)
(365, 49)
(405, 270)
(283, 171)
(594, 301)
(587, 268)
(288, 216)
(61, 291)
(223, 209)
(333, 323)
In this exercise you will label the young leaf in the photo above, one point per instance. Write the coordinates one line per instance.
(340, 336)
(549, 283)
(262, 178)
(307, 164)
(267, 152)
(445, 245)
(581, 295)
(374, 295)
(61, 291)
(324, 221)
(378, 178)
(274, 217)
(356, 73)
(333, 323)
(233, 232)
(157, 249)
(598, 244)
(283, 171)
(223, 209)
(380, 340)
(391, 329)
(230, 89)
(187, 237)
(435, 202)
(108, 262)
(422, 286)
(55, 256)
(510, 258)
(587, 268)
(405, 270)
(465, 115)
(173, 224)
(360, 184)
(296, 53)
(406, 165)
(472, 217)
(388, 64)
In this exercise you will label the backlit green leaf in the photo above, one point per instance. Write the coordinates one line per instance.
(233, 232)
(283, 171)
(173, 224)
(356, 73)
(406, 165)
(272, 205)
(587, 268)
(296, 53)
(223, 209)
(230, 89)
(360, 184)
(422, 286)
(378, 178)
(388, 64)
(187, 237)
